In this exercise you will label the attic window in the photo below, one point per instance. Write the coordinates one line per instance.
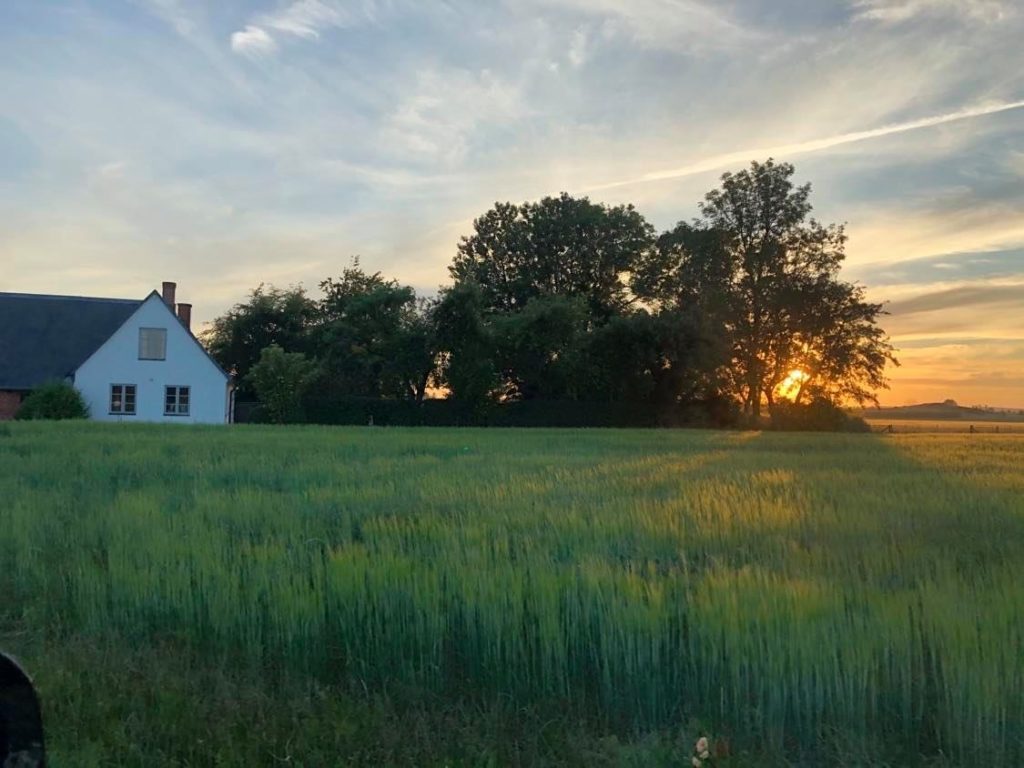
(152, 343)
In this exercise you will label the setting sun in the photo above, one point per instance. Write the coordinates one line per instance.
(790, 386)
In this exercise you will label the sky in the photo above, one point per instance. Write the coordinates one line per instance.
(231, 143)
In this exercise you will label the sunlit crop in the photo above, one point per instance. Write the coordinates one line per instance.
(781, 587)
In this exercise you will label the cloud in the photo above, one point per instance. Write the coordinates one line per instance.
(901, 238)
(785, 151)
(437, 122)
(110, 171)
(306, 18)
(253, 42)
(173, 13)
(984, 296)
(578, 48)
(992, 309)
(899, 11)
(682, 25)
(942, 268)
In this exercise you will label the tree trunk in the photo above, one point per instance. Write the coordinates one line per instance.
(754, 386)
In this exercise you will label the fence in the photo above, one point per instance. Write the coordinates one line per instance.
(947, 427)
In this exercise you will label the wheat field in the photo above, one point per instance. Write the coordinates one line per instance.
(783, 591)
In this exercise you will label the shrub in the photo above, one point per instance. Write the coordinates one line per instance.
(816, 416)
(56, 400)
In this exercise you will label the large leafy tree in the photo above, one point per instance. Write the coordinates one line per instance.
(464, 333)
(838, 347)
(541, 349)
(769, 273)
(669, 358)
(559, 246)
(375, 338)
(281, 316)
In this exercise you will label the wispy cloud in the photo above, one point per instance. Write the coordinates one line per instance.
(578, 47)
(991, 296)
(743, 157)
(304, 19)
(992, 309)
(174, 13)
(684, 25)
(436, 122)
(898, 11)
(939, 269)
(253, 41)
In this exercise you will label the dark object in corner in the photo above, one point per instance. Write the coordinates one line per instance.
(21, 723)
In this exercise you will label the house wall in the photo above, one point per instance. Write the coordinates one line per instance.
(10, 402)
(186, 364)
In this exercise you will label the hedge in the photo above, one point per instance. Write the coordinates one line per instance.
(526, 413)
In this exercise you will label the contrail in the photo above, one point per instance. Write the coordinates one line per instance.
(815, 145)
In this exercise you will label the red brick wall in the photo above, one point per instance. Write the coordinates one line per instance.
(9, 404)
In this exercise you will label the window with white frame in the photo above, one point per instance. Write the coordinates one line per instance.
(176, 401)
(122, 399)
(152, 343)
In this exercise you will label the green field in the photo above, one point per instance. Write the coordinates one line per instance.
(317, 596)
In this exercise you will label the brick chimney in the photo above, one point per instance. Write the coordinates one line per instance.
(168, 294)
(185, 315)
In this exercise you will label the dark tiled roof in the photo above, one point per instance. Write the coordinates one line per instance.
(49, 337)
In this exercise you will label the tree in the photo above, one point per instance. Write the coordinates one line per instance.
(414, 352)
(280, 380)
(560, 246)
(468, 346)
(56, 400)
(768, 273)
(269, 316)
(376, 338)
(669, 358)
(541, 349)
(838, 348)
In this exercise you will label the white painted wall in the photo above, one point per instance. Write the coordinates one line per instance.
(186, 364)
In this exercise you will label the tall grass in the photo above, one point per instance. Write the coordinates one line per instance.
(786, 588)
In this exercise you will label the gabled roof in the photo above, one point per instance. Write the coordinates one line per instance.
(156, 296)
(49, 337)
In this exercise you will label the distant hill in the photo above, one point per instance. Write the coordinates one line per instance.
(946, 411)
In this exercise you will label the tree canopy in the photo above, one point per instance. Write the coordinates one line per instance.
(374, 337)
(269, 316)
(767, 273)
(565, 299)
(559, 246)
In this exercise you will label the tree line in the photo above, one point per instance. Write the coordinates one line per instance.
(567, 300)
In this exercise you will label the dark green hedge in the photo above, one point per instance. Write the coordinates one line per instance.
(527, 413)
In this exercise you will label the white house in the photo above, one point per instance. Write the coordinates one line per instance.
(131, 360)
